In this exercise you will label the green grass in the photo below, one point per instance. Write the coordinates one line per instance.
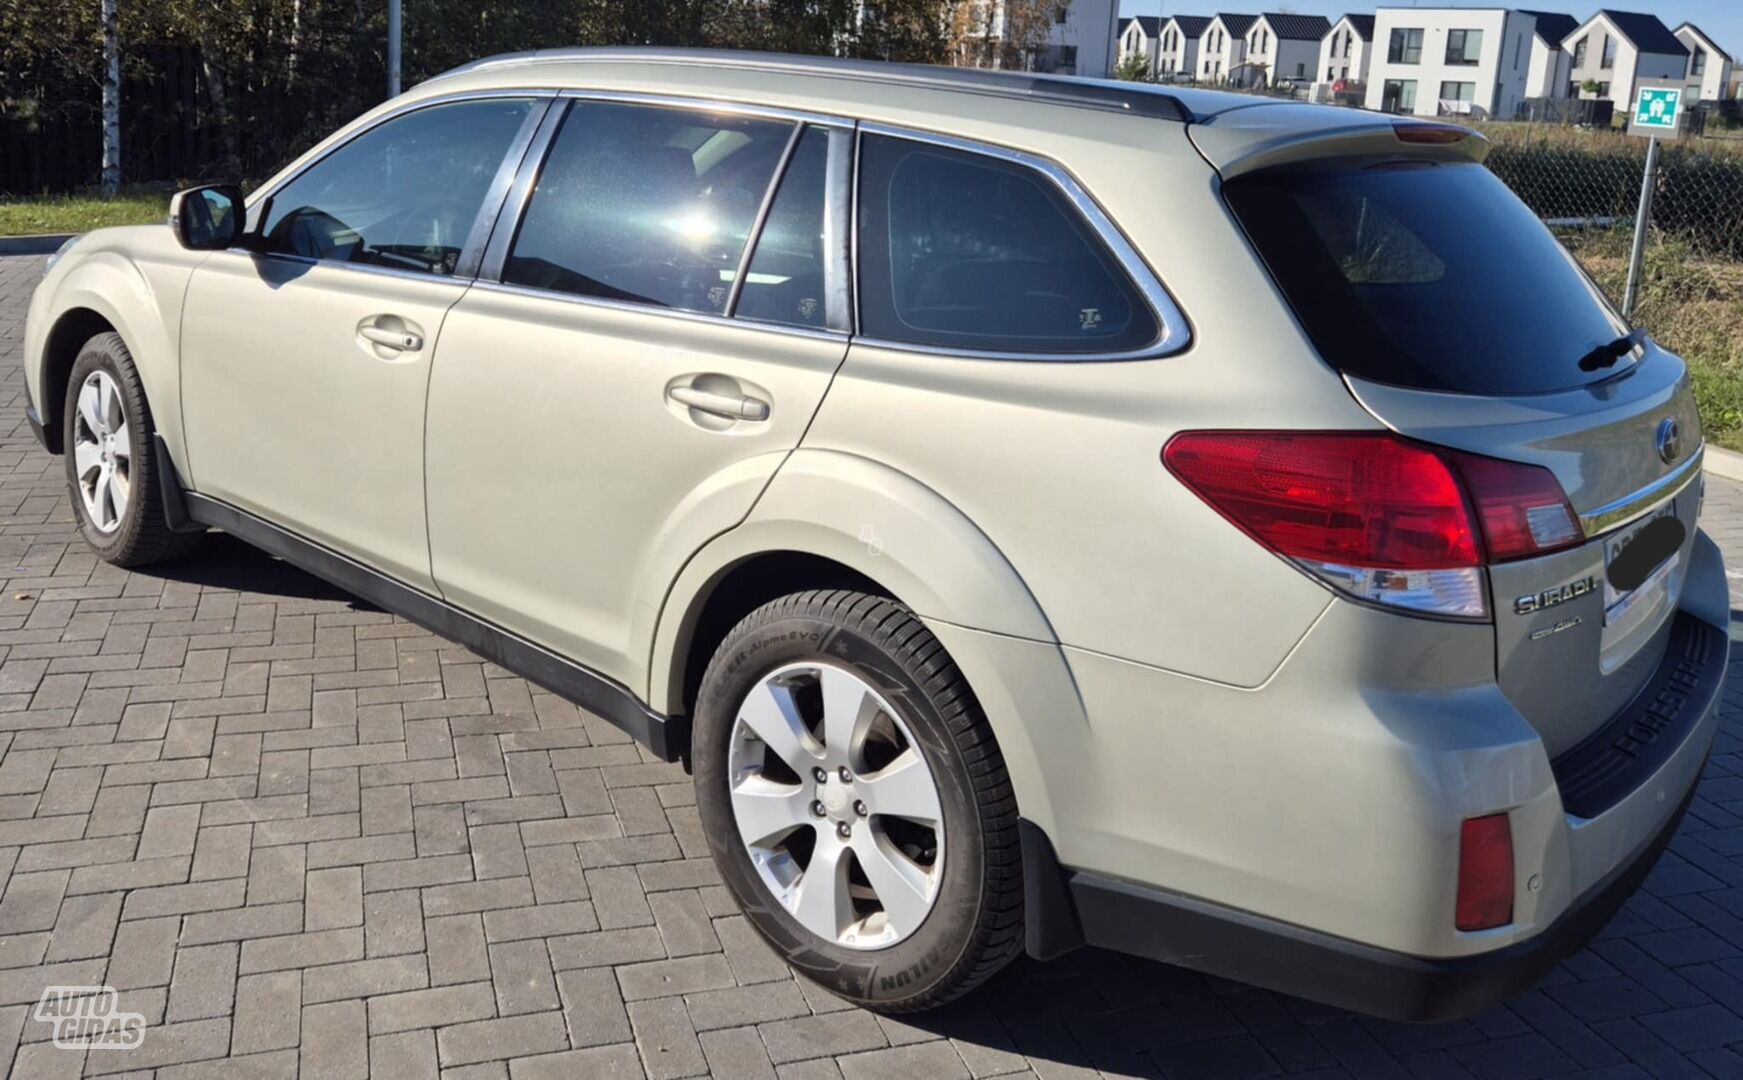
(1693, 306)
(81, 213)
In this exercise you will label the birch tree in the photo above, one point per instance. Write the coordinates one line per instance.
(111, 180)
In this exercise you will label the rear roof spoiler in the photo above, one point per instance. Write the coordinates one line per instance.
(1244, 140)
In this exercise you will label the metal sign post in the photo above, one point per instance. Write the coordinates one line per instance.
(1657, 111)
(393, 34)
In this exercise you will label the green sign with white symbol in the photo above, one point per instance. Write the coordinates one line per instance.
(1656, 109)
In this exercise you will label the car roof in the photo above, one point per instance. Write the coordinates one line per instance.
(567, 68)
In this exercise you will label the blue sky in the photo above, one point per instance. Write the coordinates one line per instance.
(1721, 18)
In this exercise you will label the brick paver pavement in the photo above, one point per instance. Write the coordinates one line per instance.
(298, 835)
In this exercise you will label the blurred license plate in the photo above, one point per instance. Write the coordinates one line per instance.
(1619, 602)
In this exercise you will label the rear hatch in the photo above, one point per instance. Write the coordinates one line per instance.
(1457, 319)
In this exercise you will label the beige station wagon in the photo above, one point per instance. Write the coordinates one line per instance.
(1041, 512)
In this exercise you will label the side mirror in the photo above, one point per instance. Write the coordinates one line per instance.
(207, 218)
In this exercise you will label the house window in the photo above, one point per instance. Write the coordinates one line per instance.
(1609, 53)
(1406, 47)
(1330, 75)
(1463, 47)
(1301, 71)
(1398, 96)
(1061, 13)
(1698, 65)
(1458, 91)
(1580, 53)
(1349, 39)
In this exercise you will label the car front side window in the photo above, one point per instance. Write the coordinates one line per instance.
(403, 194)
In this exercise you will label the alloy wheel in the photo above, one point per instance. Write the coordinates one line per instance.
(103, 451)
(836, 805)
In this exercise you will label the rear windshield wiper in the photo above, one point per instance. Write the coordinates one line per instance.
(1605, 355)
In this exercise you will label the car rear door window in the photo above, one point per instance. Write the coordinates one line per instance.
(646, 204)
(403, 194)
(789, 269)
(969, 251)
(1426, 275)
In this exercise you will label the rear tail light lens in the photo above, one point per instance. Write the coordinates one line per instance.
(1379, 517)
(1485, 873)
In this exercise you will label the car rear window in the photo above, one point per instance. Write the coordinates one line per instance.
(1425, 275)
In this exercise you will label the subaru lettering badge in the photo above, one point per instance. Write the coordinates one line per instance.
(1669, 441)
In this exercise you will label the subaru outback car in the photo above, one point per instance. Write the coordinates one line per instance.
(1039, 512)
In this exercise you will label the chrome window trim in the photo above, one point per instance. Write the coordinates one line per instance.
(709, 105)
(630, 306)
(1175, 332)
(466, 266)
(838, 200)
(1636, 505)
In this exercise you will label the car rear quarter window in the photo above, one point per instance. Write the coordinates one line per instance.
(646, 204)
(403, 194)
(1425, 275)
(961, 250)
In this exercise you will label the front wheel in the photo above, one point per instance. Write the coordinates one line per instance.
(111, 474)
(856, 801)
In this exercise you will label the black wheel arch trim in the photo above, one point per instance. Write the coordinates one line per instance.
(666, 736)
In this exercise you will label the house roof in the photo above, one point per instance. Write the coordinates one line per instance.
(1553, 27)
(1298, 27)
(1363, 25)
(1706, 39)
(1644, 32)
(1150, 23)
(1191, 25)
(1236, 25)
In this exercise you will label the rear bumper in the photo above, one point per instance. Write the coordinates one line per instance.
(1294, 960)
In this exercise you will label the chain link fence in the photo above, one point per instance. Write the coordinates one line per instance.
(1576, 178)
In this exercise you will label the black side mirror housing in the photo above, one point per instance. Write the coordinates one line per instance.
(208, 218)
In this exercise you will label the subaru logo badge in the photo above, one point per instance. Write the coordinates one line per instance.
(1669, 441)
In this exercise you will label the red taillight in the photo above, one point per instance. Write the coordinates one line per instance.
(1522, 507)
(1485, 873)
(1354, 498)
(1383, 518)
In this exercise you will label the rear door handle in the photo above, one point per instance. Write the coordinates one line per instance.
(398, 340)
(730, 406)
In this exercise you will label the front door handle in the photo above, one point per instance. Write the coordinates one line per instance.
(406, 340)
(730, 406)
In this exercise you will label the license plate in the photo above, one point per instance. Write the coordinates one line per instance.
(1619, 602)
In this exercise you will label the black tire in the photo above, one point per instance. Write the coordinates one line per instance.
(142, 535)
(976, 924)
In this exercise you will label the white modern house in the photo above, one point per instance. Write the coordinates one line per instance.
(1709, 74)
(1346, 50)
(1222, 47)
(1081, 38)
(1177, 56)
(1615, 49)
(1547, 73)
(1449, 61)
(1282, 48)
(1140, 36)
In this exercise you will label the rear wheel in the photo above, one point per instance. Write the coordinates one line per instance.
(856, 801)
(111, 473)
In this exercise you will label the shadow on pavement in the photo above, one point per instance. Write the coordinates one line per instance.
(224, 562)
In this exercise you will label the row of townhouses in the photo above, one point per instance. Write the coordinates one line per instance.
(1434, 61)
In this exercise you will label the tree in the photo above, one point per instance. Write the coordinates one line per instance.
(111, 178)
(1134, 67)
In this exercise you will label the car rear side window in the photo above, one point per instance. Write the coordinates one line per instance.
(1424, 275)
(789, 269)
(646, 204)
(403, 194)
(969, 251)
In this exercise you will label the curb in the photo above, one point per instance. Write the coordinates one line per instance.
(33, 245)
(1725, 463)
